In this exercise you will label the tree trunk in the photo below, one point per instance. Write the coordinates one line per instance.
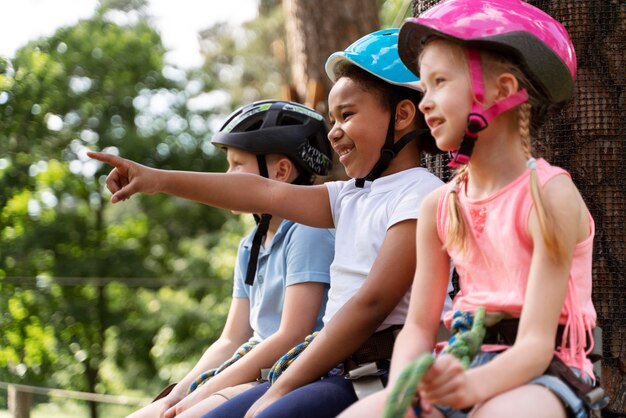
(587, 139)
(316, 29)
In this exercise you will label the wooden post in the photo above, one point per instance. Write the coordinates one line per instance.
(19, 402)
(315, 95)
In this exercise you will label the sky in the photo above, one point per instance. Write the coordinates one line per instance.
(178, 21)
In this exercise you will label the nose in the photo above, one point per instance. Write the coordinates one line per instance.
(425, 104)
(335, 132)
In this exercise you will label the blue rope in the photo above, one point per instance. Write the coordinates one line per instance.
(285, 361)
(241, 351)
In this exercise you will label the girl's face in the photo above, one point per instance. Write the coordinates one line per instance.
(447, 92)
(359, 125)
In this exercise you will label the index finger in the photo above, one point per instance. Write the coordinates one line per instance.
(110, 159)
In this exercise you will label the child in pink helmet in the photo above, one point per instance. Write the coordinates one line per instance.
(515, 227)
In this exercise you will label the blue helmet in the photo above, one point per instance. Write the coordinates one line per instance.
(377, 53)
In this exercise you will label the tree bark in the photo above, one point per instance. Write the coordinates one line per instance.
(316, 29)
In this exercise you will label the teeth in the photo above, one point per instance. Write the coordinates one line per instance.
(344, 152)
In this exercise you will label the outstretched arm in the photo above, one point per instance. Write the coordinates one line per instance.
(249, 193)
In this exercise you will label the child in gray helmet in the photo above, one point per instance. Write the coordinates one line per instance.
(282, 271)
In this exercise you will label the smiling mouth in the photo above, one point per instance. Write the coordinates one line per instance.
(344, 151)
(434, 123)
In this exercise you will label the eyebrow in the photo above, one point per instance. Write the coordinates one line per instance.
(340, 107)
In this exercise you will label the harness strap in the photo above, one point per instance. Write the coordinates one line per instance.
(505, 332)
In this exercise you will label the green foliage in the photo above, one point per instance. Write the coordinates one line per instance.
(76, 309)
(245, 60)
(119, 298)
(393, 12)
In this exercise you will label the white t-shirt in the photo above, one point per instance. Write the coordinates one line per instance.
(362, 217)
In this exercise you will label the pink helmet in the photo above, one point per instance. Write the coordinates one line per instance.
(540, 44)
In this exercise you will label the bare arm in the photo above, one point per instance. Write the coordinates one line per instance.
(388, 281)
(545, 295)
(302, 305)
(236, 332)
(543, 302)
(249, 193)
(428, 293)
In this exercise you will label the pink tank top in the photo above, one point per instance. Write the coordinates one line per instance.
(493, 270)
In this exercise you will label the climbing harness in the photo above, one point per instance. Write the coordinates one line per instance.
(468, 334)
(241, 351)
(285, 361)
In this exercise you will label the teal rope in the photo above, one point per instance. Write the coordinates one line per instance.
(464, 344)
(241, 351)
(285, 361)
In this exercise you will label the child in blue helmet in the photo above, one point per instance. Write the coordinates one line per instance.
(282, 269)
(379, 134)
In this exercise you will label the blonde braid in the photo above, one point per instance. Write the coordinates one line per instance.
(457, 227)
(544, 216)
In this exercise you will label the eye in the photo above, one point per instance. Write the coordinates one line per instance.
(346, 115)
(439, 80)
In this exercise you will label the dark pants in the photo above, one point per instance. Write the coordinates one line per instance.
(320, 399)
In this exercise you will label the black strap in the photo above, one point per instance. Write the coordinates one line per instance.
(259, 235)
(505, 332)
(593, 396)
(475, 123)
(379, 346)
(260, 159)
(390, 148)
(263, 224)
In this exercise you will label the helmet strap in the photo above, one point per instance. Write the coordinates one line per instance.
(390, 148)
(479, 118)
(263, 223)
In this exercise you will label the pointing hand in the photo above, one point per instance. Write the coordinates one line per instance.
(127, 177)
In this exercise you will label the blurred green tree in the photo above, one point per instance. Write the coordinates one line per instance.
(107, 298)
(102, 84)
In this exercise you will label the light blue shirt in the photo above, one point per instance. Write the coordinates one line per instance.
(297, 254)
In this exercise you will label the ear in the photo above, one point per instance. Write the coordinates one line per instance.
(506, 85)
(405, 115)
(283, 170)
